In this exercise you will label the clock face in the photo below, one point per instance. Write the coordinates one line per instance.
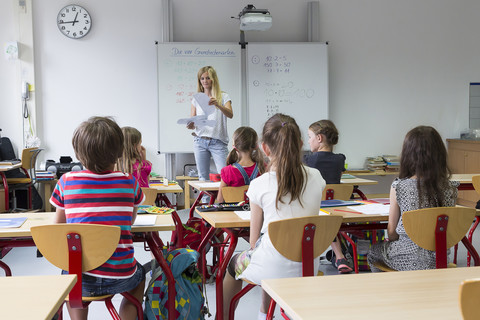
(74, 21)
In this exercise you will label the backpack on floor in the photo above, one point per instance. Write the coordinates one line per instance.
(189, 299)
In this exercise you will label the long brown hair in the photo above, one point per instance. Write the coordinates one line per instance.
(245, 139)
(283, 137)
(424, 155)
(327, 129)
(132, 138)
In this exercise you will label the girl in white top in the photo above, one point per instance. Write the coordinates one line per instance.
(211, 140)
(288, 190)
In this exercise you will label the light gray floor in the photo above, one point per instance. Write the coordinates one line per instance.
(23, 261)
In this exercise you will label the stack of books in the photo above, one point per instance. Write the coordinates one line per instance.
(393, 163)
(44, 175)
(375, 163)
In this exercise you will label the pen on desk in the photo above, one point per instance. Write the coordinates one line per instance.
(347, 211)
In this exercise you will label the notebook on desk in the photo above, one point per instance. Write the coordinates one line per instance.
(12, 222)
(337, 203)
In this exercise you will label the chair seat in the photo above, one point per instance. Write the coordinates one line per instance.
(382, 266)
(97, 298)
(19, 180)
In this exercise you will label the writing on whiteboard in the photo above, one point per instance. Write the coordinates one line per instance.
(197, 52)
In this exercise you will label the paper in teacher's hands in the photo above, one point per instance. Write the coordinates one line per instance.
(199, 121)
(203, 101)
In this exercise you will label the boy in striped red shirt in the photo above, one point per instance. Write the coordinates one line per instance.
(99, 195)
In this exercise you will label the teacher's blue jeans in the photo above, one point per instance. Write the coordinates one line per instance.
(203, 149)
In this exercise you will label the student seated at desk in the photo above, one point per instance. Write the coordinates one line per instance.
(322, 136)
(134, 159)
(86, 197)
(423, 182)
(244, 162)
(288, 190)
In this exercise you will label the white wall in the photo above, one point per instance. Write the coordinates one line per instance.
(393, 65)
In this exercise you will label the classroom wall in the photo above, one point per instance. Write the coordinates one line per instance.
(393, 65)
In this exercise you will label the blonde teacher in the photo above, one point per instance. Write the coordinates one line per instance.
(211, 139)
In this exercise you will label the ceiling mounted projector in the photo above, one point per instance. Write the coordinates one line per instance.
(252, 18)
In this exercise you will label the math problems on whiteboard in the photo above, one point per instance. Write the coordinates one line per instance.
(289, 78)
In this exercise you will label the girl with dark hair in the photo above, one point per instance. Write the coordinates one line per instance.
(244, 162)
(287, 190)
(423, 182)
(322, 136)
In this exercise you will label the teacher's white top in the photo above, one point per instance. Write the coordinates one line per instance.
(219, 130)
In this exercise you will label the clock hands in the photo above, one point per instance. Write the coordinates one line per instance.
(75, 20)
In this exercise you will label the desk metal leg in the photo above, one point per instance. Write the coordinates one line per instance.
(360, 193)
(198, 200)
(471, 250)
(156, 244)
(470, 236)
(222, 269)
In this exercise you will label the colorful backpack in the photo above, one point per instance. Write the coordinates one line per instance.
(189, 299)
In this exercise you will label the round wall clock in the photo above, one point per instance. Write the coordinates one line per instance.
(74, 21)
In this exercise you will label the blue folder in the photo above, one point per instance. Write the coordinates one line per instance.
(337, 203)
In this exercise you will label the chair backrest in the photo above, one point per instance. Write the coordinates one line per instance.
(468, 298)
(98, 243)
(150, 196)
(289, 237)
(234, 194)
(430, 229)
(337, 192)
(76, 247)
(29, 156)
(476, 183)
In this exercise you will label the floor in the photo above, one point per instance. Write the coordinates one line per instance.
(23, 261)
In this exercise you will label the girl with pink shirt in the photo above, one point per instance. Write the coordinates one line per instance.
(244, 162)
(133, 159)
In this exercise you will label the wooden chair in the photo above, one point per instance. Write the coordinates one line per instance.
(437, 229)
(337, 191)
(29, 159)
(297, 239)
(476, 186)
(234, 194)
(150, 196)
(468, 298)
(79, 248)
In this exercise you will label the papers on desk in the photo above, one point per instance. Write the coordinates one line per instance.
(208, 184)
(12, 222)
(374, 208)
(244, 215)
(145, 220)
(9, 162)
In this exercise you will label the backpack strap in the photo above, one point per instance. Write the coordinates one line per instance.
(245, 176)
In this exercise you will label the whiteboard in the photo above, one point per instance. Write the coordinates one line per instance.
(289, 78)
(178, 64)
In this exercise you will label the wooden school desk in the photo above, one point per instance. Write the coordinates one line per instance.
(186, 192)
(426, 294)
(21, 237)
(235, 227)
(4, 168)
(34, 297)
(205, 188)
(163, 190)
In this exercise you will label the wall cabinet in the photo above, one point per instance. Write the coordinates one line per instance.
(464, 157)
